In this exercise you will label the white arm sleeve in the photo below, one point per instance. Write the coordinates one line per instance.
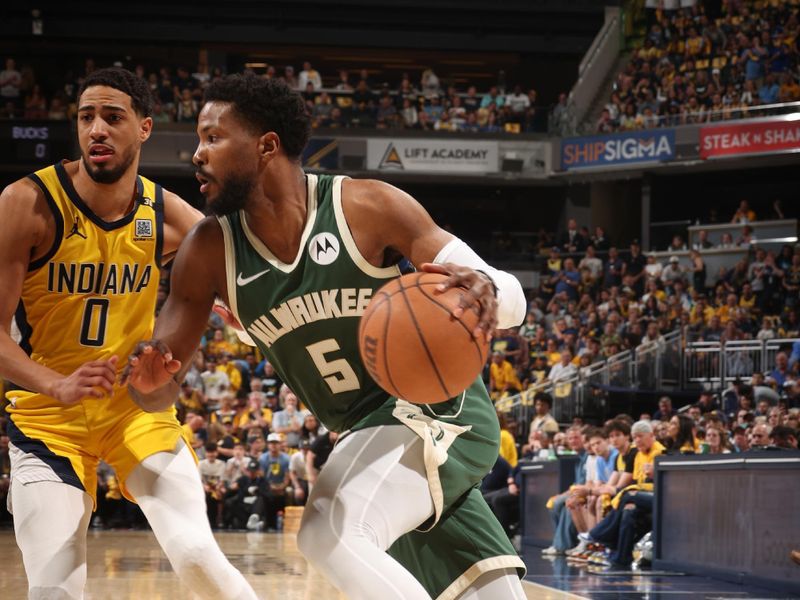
(511, 302)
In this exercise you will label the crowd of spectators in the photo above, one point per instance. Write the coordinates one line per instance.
(608, 508)
(336, 100)
(594, 302)
(696, 68)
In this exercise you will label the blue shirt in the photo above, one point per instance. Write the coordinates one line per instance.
(580, 469)
(769, 93)
(563, 286)
(274, 467)
(605, 467)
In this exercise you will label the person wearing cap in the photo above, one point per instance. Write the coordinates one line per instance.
(245, 507)
(672, 272)
(228, 440)
(275, 466)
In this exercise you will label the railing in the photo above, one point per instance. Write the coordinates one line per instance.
(593, 69)
(665, 364)
(714, 365)
(653, 366)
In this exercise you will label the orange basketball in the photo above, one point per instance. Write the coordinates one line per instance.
(412, 345)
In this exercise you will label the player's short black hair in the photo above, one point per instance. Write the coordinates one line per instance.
(266, 105)
(126, 82)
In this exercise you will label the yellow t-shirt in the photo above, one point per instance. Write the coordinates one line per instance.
(504, 374)
(642, 459)
(508, 449)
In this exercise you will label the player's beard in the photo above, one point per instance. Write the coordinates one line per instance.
(233, 195)
(102, 174)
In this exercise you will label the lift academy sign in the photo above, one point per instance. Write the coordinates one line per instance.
(433, 156)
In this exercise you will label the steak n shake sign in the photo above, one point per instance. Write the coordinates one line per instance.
(749, 138)
(433, 156)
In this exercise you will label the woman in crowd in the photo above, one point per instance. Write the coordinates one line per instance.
(680, 434)
(717, 441)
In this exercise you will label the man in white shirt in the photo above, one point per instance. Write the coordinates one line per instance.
(212, 471)
(672, 272)
(563, 369)
(309, 75)
(591, 262)
(518, 101)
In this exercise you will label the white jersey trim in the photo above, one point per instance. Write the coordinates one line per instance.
(311, 217)
(468, 577)
(230, 265)
(349, 242)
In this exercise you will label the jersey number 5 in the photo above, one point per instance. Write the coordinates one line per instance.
(93, 324)
(338, 373)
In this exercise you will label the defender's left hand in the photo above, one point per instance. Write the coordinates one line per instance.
(480, 291)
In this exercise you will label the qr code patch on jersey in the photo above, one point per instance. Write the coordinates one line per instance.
(144, 228)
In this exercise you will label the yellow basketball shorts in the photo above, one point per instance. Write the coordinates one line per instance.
(50, 441)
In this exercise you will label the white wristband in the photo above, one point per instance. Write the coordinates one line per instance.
(511, 304)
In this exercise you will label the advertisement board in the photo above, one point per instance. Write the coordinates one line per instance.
(656, 145)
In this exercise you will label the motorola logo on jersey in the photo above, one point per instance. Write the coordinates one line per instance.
(324, 248)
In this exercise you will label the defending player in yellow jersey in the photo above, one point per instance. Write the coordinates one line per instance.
(81, 246)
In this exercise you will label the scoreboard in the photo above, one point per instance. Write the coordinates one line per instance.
(36, 143)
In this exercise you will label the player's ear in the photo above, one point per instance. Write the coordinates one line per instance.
(268, 145)
(145, 129)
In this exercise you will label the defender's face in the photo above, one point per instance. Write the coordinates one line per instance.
(110, 133)
(226, 158)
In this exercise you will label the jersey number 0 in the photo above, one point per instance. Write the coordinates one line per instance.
(94, 322)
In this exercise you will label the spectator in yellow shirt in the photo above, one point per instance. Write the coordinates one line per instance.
(227, 366)
(502, 376)
(219, 345)
(508, 447)
(727, 311)
(701, 313)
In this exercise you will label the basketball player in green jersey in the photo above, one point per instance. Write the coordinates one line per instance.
(396, 513)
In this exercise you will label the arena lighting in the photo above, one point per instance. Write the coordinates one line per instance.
(255, 65)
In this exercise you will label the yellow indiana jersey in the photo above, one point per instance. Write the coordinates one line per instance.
(93, 294)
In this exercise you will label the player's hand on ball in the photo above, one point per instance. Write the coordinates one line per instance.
(93, 379)
(150, 367)
(480, 291)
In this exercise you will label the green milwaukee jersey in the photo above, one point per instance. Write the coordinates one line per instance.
(304, 316)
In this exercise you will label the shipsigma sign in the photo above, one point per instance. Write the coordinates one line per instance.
(627, 148)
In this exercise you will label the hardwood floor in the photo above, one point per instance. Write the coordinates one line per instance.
(130, 565)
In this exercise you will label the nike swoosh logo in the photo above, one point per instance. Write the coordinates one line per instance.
(245, 280)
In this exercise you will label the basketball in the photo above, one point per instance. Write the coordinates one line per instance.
(412, 345)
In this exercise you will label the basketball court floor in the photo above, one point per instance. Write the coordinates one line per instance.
(130, 565)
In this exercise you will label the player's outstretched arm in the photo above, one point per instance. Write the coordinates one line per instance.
(157, 366)
(26, 232)
(382, 216)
